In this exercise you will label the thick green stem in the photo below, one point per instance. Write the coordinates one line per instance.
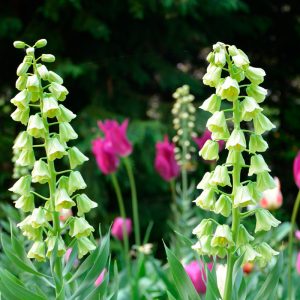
(291, 243)
(135, 209)
(235, 211)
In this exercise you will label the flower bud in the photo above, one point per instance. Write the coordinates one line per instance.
(257, 92)
(84, 246)
(234, 157)
(63, 200)
(206, 200)
(51, 242)
(222, 237)
(236, 141)
(266, 253)
(220, 57)
(212, 104)
(242, 197)
(22, 186)
(50, 107)
(241, 60)
(223, 206)
(25, 203)
(22, 69)
(43, 71)
(249, 108)
(40, 43)
(58, 91)
(257, 144)
(48, 58)
(205, 227)
(21, 82)
(20, 115)
(38, 218)
(30, 51)
(229, 89)
(36, 126)
(19, 44)
(65, 115)
(23, 141)
(233, 50)
(262, 124)
(205, 181)
(243, 236)
(210, 150)
(257, 165)
(213, 75)
(55, 150)
(210, 57)
(40, 172)
(66, 132)
(265, 220)
(76, 182)
(76, 157)
(220, 176)
(265, 181)
(26, 158)
(84, 204)
(37, 251)
(79, 228)
(255, 75)
(21, 100)
(53, 77)
(33, 84)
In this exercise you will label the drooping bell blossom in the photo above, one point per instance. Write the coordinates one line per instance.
(106, 158)
(272, 199)
(116, 134)
(100, 278)
(298, 263)
(117, 227)
(165, 163)
(297, 170)
(200, 141)
(196, 272)
(297, 235)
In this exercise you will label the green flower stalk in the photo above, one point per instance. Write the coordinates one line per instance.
(224, 192)
(39, 148)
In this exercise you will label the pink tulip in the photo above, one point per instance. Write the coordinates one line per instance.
(165, 163)
(298, 263)
(200, 141)
(100, 278)
(117, 227)
(297, 170)
(106, 158)
(196, 272)
(297, 235)
(272, 199)
(116, 134)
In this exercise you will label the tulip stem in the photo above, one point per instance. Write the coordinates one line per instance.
(135, 210)
(291, 243)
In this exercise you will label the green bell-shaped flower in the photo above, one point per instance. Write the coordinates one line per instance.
(58, 91)
(262, 124)
(257, 165)
(255, 75)
(84, 204)
(84, 246)
(63, 200)
(229, 89)
(76, 157)
(249, 108)
(243, 236)
(212, 104)
(242, 197)
(79, 228)
(212, 76)
(22, 68)
(25, 203)
(265, 220)
(36, 126)
(55, 150)
(26, 158)
(206, 200)
(205, 181)
(21, 82)
(217, 124)
(210, 150)
(51, 241)
(220, 176)
(222, 237)
(236, 141)
(21, 115)
(241, 60)
(266, 252)
(254, 192)
(32, 234)
(206, 227)
(66, 132)
(38, 218)
(53, 77)
(50, 107)
(76, 182)
(40, 172)
(37, 251)
(265, 181)
(42, 71)
(23, 141)
(21, 100)
(257, 144)
(235, 157)
(257, 92)
(65, 115)
(33, 83)
(223, 206)
(249, 253)
(22, 186)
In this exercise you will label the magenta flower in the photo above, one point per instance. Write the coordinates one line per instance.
(196, 272)
(106, 158)
(100, 278)
(116, 134)
(298, 263)
(297, 235)
(165, 163)
(297, 170)
(117, 227)
(200, 141)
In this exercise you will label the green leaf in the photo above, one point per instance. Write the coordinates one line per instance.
(170, 297)
(271, 281)
(71, 260)
(182, 281)
(212, 290)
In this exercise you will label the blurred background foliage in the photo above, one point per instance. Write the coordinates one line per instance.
(124, 59)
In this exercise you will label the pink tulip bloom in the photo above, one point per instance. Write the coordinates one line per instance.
(196, 272)
(106, 158)
(272, 199)
(117, 228)
(200, 141)
(297, 235)
(297, 170)
(165, 163)
(298, 263)
(116, 134)
(100, 278)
